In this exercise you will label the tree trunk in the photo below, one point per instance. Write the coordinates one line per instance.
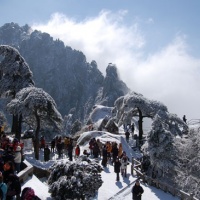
(19, 129)
(36, 143)
(140, 122)
(14, 124)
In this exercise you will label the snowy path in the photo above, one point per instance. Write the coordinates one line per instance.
(110, 188)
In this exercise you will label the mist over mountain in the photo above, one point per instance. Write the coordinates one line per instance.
(63, 72)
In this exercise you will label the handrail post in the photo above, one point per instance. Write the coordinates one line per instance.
(191, 196)
(132, 166)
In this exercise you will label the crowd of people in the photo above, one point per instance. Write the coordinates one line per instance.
(61, 145)
(109, 152)
(11, 158)
(11, 154)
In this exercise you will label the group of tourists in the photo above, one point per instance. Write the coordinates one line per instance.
(110, 153)
(11, 157)
(59, 144)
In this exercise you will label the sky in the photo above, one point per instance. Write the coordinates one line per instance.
(154, 44)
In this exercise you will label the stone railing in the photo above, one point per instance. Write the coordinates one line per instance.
(27, 170)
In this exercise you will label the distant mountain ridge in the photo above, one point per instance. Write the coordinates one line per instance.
(64, 73)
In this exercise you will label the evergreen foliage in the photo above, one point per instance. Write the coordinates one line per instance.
(74, 180)
(32, 101)
(15, 73)
(37, 108)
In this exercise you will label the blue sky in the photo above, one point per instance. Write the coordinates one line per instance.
(154, 43)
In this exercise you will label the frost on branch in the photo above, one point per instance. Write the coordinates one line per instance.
(32, 101)
(126, 107)
(72, 180)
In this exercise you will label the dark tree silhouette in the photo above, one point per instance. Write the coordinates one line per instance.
(15, 74)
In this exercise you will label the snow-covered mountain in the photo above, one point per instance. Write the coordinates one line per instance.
(63, 72)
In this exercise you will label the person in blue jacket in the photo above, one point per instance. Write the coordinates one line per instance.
(3, 188)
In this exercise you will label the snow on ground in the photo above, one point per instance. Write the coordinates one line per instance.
(99, 112)
(109, 187)
(40, 188)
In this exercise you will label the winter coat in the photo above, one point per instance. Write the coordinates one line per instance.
(115, 151)
(4, 188)
(109, 148)
(96, 150)
(18, 157)
(91, 144)
(42, 143)
(117, 166)
(124, 162)
(100, 145)
(120, 150)
(127, 134)
(6, 175)
(104, 153)
(70, 148)
(77, 151)
(137, 191)
(53, 143)
(66, 142)
(8, 156)
(59, 146)
(46, 154)
(14, 186)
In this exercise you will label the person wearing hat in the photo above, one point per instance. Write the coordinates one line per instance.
(3, 187)
(18, 159)
(137, 191)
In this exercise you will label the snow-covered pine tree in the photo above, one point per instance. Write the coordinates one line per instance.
(174, 157)
(37, 106)
(188, 153)
(75, 180)
(136, 105)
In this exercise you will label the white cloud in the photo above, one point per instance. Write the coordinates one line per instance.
(100, 38)
(171, 75)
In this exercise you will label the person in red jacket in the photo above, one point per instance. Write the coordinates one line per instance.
(77, 151)
(42, 142)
